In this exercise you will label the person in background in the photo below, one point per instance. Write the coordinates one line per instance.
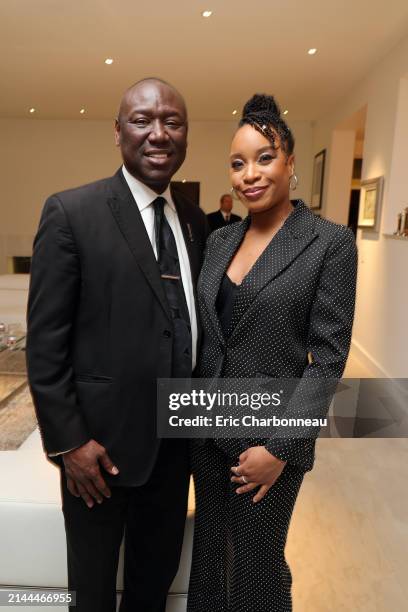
(223, 216)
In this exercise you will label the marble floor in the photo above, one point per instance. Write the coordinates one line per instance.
(17, 417)
(9, 384)
(348, 540)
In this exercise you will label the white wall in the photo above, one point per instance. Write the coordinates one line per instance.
(339, 175)
(40, 157)
(398, 192)
(380, 330)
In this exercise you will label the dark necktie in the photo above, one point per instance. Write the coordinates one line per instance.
(167, 257)
(227, 218)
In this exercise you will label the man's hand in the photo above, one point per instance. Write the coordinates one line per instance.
(257, 468)
(84, 478)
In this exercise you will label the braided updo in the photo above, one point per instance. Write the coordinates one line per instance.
(263, 113)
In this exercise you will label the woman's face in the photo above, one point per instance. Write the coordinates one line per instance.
(259, 173)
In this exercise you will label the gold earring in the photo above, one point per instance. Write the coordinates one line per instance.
(293, 182)
(234, 194)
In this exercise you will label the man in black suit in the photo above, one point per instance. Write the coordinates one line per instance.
(223, 216)
(111, 309)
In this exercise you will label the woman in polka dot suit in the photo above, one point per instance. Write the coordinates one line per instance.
(276, 297)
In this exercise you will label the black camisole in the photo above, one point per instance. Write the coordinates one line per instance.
(225, 302)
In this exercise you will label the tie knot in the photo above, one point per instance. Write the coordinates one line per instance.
(159, 203)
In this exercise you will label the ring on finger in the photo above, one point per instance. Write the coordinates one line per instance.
(244, 480)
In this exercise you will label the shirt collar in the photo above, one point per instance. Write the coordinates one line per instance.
(142, 194)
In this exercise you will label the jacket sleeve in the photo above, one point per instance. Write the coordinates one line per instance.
(52, 302)
(329, 337)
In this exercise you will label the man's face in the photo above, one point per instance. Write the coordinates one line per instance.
(226, 203)
(151, 131)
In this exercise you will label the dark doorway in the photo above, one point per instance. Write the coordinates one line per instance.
(353, 210)
(21, 265)
(355, 195)
(189, 189)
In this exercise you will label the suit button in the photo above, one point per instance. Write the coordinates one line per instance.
(167, 333)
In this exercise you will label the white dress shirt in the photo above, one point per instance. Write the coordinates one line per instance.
(144, 196)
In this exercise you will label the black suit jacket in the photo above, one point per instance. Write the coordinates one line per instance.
(99, 328)
(292, 316)
(216, 220)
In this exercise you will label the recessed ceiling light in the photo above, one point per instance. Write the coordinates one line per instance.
(234, 112)
(184, 181)
(285, 112)
(82, 111)
(206, 13)
(109, 60)
(312, 51)
(32, 110)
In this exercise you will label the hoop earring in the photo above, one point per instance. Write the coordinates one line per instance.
(293, 182)
(234, 194)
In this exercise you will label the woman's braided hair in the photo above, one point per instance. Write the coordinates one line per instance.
(263, 113)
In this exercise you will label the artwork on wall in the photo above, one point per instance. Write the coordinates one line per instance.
(370, 204)
(402, 223)
(318, 178)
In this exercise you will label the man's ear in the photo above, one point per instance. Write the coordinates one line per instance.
(117, 132)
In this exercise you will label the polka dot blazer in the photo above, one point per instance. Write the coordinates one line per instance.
(297, 300)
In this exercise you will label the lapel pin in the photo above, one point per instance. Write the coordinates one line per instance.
(190, 232)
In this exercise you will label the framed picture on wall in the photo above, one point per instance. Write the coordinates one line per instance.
(370, 204)
(318, 178)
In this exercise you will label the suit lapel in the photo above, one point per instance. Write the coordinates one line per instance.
(290, 241)
(130, 222)
(216, 267)
(183, 209)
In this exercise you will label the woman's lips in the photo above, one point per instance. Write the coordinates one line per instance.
(254, 193)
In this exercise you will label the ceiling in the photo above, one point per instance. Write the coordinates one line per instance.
(53, 51)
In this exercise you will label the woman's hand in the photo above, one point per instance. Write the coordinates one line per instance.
(257, 468)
